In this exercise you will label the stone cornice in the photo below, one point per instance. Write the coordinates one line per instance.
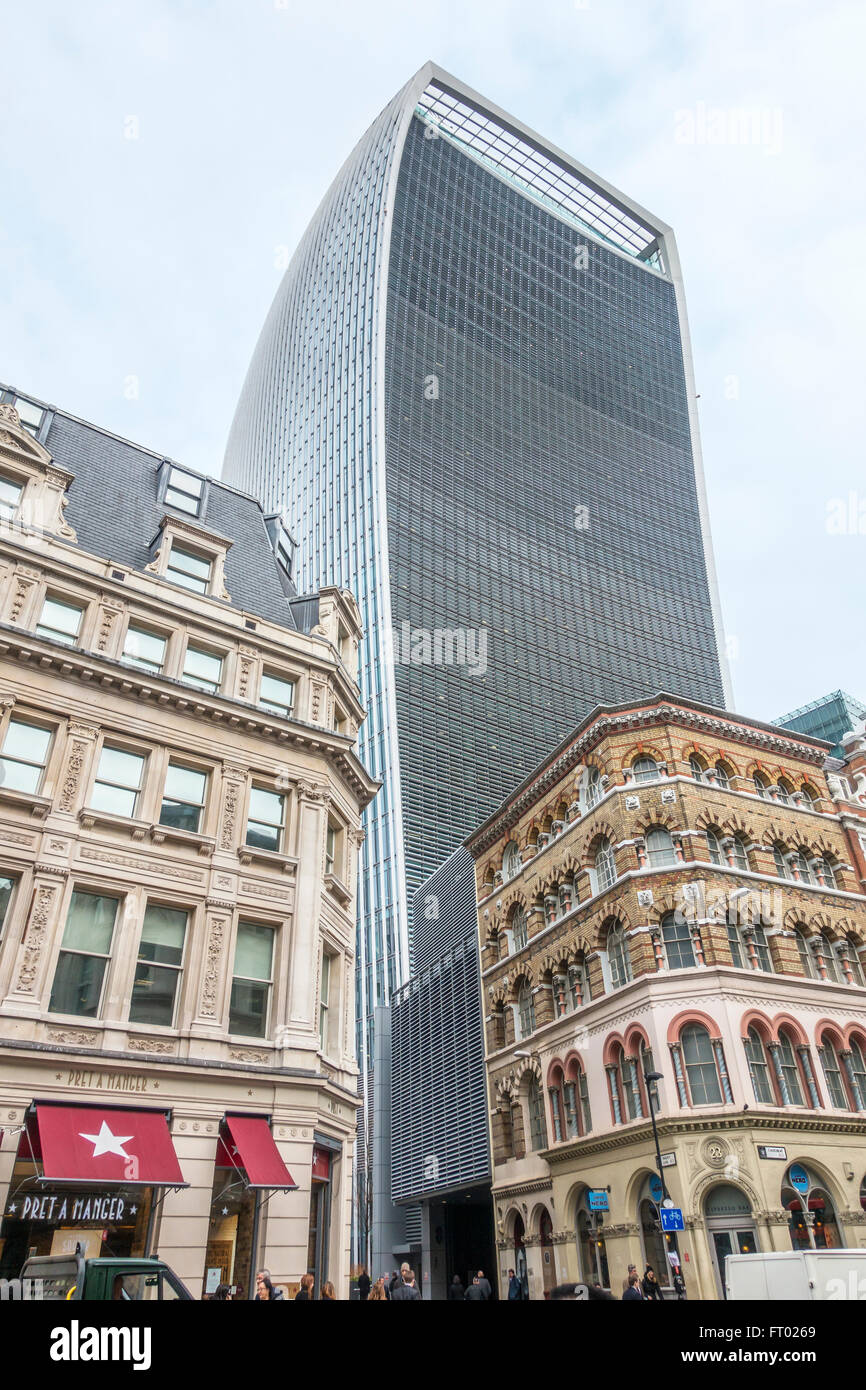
(164, 691)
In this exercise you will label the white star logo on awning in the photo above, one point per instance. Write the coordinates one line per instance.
(107, 1143)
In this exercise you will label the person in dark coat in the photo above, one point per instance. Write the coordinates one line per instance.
(484, 1285)
(456, 1291)
(515, 1288)
(650, 1285)
(633, 1293)
(305, 1292)
(363, 1286)
(475, 1293)
(406, 1291)
(266, 1292)
(395, 1280)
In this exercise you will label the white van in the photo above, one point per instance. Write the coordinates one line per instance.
(798, 1276)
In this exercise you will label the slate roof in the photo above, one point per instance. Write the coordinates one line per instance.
(115, 509)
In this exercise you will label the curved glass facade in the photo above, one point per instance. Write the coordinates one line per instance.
(472, 396)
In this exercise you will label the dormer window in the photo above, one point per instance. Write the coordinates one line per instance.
(184, 491)
(30, 415)
(10, 496)
(189, 570)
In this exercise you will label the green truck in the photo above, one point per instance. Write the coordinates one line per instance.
(67, 1277)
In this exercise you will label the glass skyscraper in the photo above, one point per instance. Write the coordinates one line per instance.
(473, 399)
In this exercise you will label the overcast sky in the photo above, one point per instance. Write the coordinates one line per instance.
(160, 160)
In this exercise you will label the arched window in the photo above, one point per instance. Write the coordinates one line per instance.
(605, 866)
(555, 1091)
(592, 793)
(629, 1085)
(822, 948)
(854, 961)
(810, 796)
(698, 767)
(756, 958)
(825, 873)
(511, 860)
(645, 770)
(723, 775)
(833, 1068)
(804, 867)
(790, 1069)
(858, 1073)
(760, 783)
(762, 949)
(525, 1010)
(659, 848)
(807, 958)
(786, 791)
(578, 1120)
(579, 992)
(618, 961)
(700, 1062)
(677, 938)
(519, 929)
(739, 854)
(535, 1106)
(781, 862)
(759, 1067)
(646, 1065)
(715, 848)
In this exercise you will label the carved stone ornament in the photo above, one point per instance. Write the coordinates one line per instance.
(161, 1045)
(312, 791)
(72, 775)
(215, 945)
(35, 938)
(71, 1035)
(230, 809)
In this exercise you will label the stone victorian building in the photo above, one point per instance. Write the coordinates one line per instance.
(674, 893)
(180, 801)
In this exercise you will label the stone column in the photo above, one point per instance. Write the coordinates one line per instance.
(300, 1021)
(184, 1224)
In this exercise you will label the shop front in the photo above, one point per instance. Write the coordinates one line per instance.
(325, 1156)
(87, 1176)
(247, 1172)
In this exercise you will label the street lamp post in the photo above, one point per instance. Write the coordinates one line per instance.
(649, 1076)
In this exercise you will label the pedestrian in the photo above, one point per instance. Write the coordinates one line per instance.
(515, 1288)
(305, 1292)
(327, 1294)
(679, 1285)
(475, 1293)
(222, 1294)
(406, 1291)
(378, 1293)
(484, 1285)
(632, 1269)
(363, 1286)
(650, 1285)
(266, 1290)
(456, 1291)
(633, 1293)
(395, 1280)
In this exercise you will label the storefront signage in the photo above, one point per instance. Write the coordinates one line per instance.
(772, 1151)
(656, 1189)
(107, 1081)
(798, 1178)
(101, 1207)
(598, 1200)
(669, 1160)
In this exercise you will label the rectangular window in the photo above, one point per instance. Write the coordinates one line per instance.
(251, 982)
(60, 621)
(203, 669)
(184, 492)
(31, 415)
(86, 948)
(324, 997)
(183, 798)
(10, 496)
(6, 887)
(157, 974)
(144, 649)
(265, 820)
(118, 782)
(25, 753)
(189, 570)
(277, 695)
(330, 849)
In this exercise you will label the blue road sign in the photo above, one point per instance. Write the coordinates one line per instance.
(798, 1177)
(672, 1219)
(598, 1200)
(656, 1189)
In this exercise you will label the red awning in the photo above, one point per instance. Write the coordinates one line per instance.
(250, 1145)
(84, 1144)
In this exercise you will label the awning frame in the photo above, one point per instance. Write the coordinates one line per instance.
(248, 1186)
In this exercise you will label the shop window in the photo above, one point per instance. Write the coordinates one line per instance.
(158, 970)
(118, 782)
(203, 669)
(60, 621)
(252, 980)
(24, 756)
(191, 571)
(183, 798)
(265, 820)
(84, 955)
(277, 695)
(144, 649)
